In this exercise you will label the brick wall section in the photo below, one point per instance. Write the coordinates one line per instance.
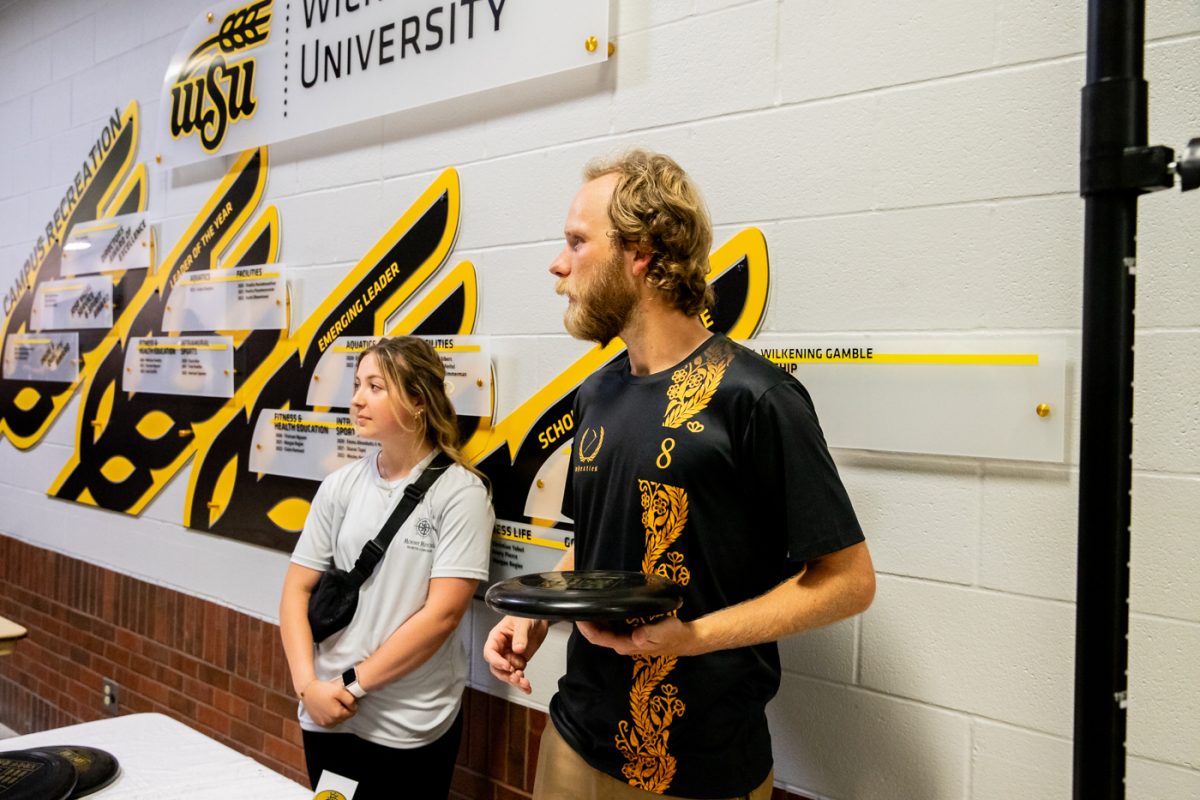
(219, 671)
(213, 668)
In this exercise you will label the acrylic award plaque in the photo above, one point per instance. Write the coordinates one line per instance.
(519, 548)
(332, 383)
(304, 444)
(467, 360)
(197, 365)
(108, 245)
(85, 301)
(42, 357)
(468, 363)
(980, 397)
(545, 497)
(237, 299)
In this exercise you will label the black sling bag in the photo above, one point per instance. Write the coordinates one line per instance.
(335, 597)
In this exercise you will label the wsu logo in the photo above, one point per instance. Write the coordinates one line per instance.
(212, 90)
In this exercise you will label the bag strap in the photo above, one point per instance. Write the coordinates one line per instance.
(373, 551)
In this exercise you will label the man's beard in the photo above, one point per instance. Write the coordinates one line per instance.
(603, 308)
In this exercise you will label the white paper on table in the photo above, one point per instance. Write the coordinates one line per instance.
(332, 786)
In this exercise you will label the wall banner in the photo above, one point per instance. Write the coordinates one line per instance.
(252, 72)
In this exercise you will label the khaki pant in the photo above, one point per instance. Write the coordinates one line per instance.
(563, 775)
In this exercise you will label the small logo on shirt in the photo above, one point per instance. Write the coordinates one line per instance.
(590, 442)
(424, 527)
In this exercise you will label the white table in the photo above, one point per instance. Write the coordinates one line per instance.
(161, 758)
(10, 633)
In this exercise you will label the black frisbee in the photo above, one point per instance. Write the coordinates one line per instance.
(606, 596)
(35, 775)
(94, 768)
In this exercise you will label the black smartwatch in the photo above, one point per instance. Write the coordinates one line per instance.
(350, 681)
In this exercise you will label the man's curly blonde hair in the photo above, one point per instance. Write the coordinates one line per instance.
(656, 208)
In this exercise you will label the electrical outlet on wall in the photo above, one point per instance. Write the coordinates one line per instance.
(109, 697)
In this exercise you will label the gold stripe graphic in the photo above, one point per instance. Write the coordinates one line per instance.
(531, 540)
(264, 276)
(990, 359)
(296, 423)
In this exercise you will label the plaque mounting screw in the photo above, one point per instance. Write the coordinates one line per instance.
(1043, 409)
(590, 44)
(612, 48)
(158, 158)
(541, 484)
(210, 16)
(479, 382)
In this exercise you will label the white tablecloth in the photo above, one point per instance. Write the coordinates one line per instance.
(162, 759)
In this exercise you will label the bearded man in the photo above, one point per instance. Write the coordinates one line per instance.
(710, 469)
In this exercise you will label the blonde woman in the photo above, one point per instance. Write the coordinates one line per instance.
(380, 701)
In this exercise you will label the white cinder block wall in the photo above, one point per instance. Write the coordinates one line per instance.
(913, 166)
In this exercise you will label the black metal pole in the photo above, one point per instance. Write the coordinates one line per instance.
(1114, 118)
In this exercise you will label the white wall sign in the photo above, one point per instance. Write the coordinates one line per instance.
(198, 365)
(468, 363)
(108, 245)
(237, 299)
(467, 360)
(304, 444)
(994, 397)
(545, 497)
(252, 73)
(519, 549)
(85, 301)
(42, 357)
(332, 383)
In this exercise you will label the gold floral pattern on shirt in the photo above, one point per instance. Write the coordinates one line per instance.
(653, 704)
(664, 513)
(693, 386)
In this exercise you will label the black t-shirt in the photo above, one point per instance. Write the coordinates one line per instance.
(714, 474)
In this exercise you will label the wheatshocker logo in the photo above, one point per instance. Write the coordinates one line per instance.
(212, 91)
